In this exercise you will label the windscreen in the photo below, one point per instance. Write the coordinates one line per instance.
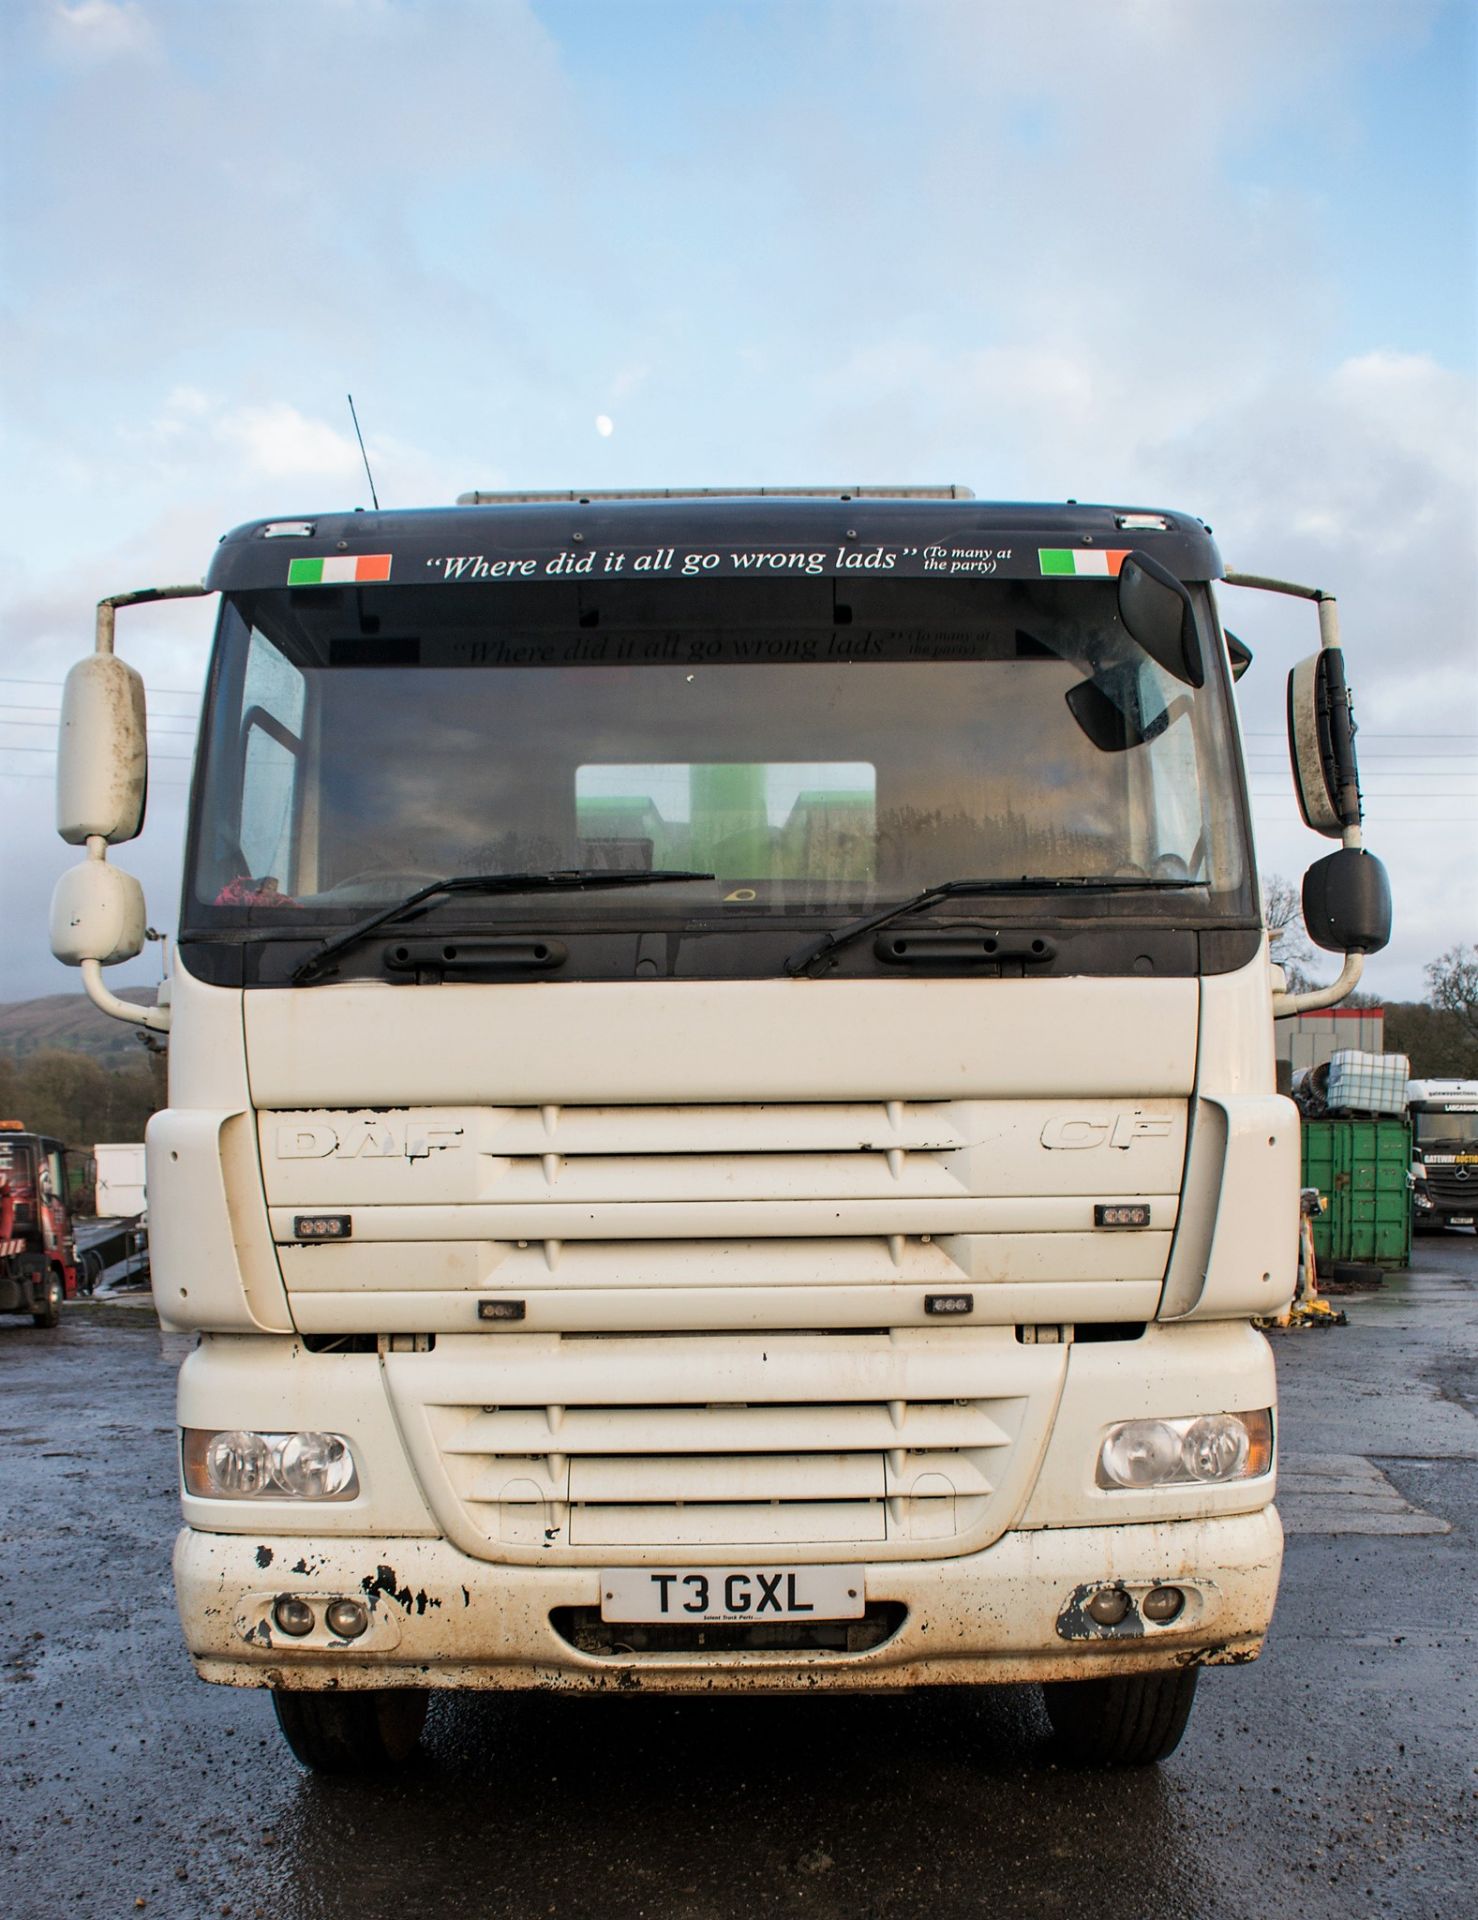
(817, 748)
(1457, 1132)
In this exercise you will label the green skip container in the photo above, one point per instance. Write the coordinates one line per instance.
(1362, 1168)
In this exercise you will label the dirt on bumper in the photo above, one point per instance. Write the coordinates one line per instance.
(439, 1618)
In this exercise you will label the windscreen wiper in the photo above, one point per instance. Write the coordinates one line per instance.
(566, 880)
(806, 958)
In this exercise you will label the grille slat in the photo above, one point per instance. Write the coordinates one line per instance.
(783, 1523)
(749, 1429)
(528, 1158)
(723, 1479)
(861, 1173)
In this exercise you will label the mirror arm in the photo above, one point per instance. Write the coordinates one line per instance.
(92, 974)
(1329, 639)
(156, 1018)
(1285, 1005)
(107, 609)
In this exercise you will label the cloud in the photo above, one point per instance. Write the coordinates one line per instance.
(284, 190)
(1414, 406)
(629, 380)
(280, 443)
(97, 30)
(270, 440)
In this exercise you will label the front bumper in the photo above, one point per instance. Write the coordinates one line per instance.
(442, 1619)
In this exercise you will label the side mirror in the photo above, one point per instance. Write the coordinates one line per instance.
(1347, 902)
(102, 754)
(1110, 710)
(1160, 616)
(97, 913)
(1321, 744)
(1239, 653)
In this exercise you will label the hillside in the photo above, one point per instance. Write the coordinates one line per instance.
(70, 1021)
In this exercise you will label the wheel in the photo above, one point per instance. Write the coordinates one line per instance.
(49, 1313)
(1132, 1720)
(1358, 1273)
(352, 1732)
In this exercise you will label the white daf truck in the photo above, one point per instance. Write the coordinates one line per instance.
(722, 1129)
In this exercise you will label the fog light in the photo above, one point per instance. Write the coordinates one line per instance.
(1161, 1604)
(294, 1616)
(1108, 1606)
(347, 1618)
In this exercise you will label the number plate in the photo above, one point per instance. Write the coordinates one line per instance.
(732, 1594)
(1460, 1219)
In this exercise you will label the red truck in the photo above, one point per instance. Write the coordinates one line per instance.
(38, 1259)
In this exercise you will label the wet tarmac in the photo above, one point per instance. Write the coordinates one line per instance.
(1338, 1776)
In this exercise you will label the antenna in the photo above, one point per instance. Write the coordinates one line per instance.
(362, 454)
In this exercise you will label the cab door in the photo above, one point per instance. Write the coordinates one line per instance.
(53, 1218)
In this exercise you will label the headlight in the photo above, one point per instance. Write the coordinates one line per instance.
(240, 1465)
(1203, 1449)
(236, 1464)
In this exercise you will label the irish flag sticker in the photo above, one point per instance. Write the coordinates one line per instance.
(1081, 561)
(339, 569)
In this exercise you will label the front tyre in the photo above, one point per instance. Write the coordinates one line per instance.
(1131, 1720)
(48, 1312)
(352, 1732)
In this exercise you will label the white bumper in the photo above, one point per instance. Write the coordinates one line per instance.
(442, 1619)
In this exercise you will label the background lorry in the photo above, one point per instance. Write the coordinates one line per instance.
(722, 1127)
(38, 1260)
(120, 1185)
(1444, 1149)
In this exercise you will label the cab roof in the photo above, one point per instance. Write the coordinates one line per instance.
(938, 533)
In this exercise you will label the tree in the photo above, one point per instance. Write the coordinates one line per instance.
(1440, 1035)
(1428, 1039)
(1282, 913)
(79, 1100)
(1452, 987)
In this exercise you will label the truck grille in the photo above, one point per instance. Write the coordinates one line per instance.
(1455, 1188)
(912, 1443)
(740, 1476)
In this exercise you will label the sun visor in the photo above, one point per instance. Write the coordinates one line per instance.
(750, 538)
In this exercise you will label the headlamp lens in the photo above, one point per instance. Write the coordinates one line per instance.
(237, 1464)
(1204, 1449)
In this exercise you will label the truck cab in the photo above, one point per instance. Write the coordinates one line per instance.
(1444, 1146)
(38, 1260)
(723, 1131)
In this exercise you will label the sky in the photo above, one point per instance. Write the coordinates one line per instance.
(1217, 255)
